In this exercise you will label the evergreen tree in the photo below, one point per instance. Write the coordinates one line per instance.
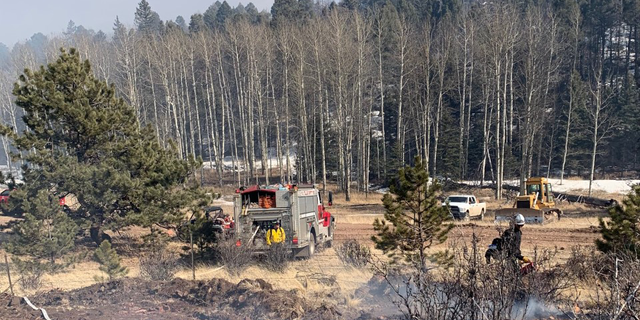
(224, 12)
(252, 12)
(210, 14)
(38, 43)
(251, 9)
(147, 20)
(84, 141)
(406, 9)
(306, 9)
(119, 31)
(109, 262)
(181, 23)
(284, 10)
(100, 37)
(197, 23)
(71, 28)
(413, 220)
(172, 27)
(621, 235)
(240, 9)
(624, 145)
(46, 233)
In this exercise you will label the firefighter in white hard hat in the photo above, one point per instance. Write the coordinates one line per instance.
(511, 240)
(508, 245)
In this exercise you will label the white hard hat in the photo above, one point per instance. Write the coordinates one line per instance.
(519, 219)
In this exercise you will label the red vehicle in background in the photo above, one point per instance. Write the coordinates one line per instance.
(4, 196)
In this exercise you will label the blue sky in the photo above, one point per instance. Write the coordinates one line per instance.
(19, 19)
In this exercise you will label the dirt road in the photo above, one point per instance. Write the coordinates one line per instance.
(561, 235)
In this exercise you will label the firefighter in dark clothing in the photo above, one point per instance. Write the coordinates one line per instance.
(512, 238)
(509, 243)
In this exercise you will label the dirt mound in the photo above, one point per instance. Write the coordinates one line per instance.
(12, 307)
(180, 299)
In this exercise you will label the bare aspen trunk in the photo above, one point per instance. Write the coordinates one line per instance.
(498, 133)
(224, 98)
(153, 94)
(576, 32)
(214, 144)
(595, 114)
(186, 107)
(567, 131)
(486, 127)
(319, 81)
(379, 31)
(261, 119)
(278, 136)
(242, 107)
(286, 124)
(195, 97)
(463, 96)
(439, 106)
(470, 98)
(403, 41)
(284, 47)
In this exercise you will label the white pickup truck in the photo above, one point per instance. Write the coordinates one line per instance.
(462, 207)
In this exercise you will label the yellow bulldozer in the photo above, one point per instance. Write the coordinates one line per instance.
(537, 204)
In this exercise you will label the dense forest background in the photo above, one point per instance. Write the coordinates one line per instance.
(351, 91)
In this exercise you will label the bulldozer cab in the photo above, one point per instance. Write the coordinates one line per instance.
(538, 194)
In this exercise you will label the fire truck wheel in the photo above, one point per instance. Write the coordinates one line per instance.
(312, 245)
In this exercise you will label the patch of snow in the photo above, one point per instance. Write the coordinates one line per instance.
(382, 190)
(579, 186)
(272, 162)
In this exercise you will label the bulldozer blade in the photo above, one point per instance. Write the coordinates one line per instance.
(530, 215)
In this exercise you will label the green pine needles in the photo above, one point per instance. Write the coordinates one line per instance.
(621, 235)
(413, 220)
(83, 140)
(109, 262)
(84, 143)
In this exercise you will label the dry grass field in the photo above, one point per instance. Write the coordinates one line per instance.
(325, 277)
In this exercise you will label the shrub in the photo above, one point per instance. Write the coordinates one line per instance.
(277, 258)
(235, 258)
(31, 273)
(159, 265)
(354, 254)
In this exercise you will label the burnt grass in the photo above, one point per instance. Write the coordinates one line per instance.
(133, 298)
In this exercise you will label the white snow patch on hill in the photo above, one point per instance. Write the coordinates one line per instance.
(580, 186)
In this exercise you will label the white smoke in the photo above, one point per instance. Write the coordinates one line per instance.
(533, 309)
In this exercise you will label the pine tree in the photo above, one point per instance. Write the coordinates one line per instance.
(197, 23)
(84, 141)
(109, 262)
(252, 12)
(46, 233)
(284, 11)
(224, 12)
(210, 14)
(621, 235)
(147, 20)
(413, 220)
(181, 23)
